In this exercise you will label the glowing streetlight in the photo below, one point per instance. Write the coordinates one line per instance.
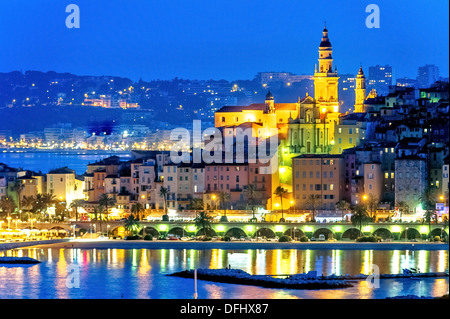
(9, 221)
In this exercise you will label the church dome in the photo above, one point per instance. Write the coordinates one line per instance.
(325, 41)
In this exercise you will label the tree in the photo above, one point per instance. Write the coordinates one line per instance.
(60, 211)
(27, 203)
(281, 192)
(106, 202)
(132, 225)
(428, 200)
(403, 208)
(163, 192)
(7, 205)
(137, 209)
(372, 204)
(76, 203)
(17, 188)
(314, 202)
(342, 205)
(360, 216)
(251, 193)
(224, 199)
(203, 220)
(196, 204)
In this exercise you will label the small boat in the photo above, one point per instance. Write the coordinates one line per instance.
(18, 260)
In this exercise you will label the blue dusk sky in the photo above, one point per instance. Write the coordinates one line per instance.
(219, 39)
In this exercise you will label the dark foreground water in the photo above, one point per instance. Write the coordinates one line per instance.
(140, 273)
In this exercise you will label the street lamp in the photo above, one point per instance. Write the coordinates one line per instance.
(9, 221)
(406, 234)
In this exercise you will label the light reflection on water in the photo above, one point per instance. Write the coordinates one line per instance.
(140, 273)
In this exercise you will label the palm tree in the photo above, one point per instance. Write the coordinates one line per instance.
(314, 202)
(203, 220)
(76, 203)
(163, 192)
(342, 205)
(196, 204)
(359, 216)
(372, 206)
(17, 188)
(403, 208)
(7, 205)
(60, 211)
(250, 192)
(106, 202)
(132, 225)
(137, 209)
(224, 199)
(280, 192)
(428, 200)
(27, 203)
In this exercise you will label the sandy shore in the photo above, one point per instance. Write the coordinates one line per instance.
(242, 245)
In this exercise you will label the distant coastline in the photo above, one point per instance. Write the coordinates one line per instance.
(63, 151)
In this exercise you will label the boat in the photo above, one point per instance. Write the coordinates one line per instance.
(18, 260)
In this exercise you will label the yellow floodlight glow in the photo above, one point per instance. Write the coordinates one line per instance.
(279, 228)
(338, 229)
(367, 229)
(220, 228)
(395, 229)
(249, 228)
(191, 228)
(163, 227)
(424, 229)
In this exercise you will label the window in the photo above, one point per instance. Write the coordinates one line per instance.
(304, 174)
(350, 140)
(350, 131)
(331, 174)
(324, 174)
(340, 130)
(331, 187)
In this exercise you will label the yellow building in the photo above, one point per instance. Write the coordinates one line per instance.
(304, 127)
(360, 91)
(64, 185)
